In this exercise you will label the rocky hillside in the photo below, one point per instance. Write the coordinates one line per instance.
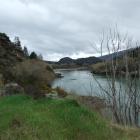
(10, 53)
(17, 67)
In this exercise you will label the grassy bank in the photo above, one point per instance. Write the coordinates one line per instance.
(23, 118)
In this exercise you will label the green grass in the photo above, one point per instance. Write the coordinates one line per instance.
(22, 118)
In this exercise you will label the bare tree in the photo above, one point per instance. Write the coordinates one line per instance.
(25, 50)
(40, 57)
(124, 100)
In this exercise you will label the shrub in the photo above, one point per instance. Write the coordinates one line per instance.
(61, 92)
(120, 63)
(33, 75)
(1, 80)
(99, 68)
(33, 55)
(47, 88)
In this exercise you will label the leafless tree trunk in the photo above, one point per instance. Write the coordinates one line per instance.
(124, 101)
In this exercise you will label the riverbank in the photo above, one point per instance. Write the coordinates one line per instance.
(106, 69)
(55, 119)
(72, 68)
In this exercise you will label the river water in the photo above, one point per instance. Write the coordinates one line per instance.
(81, 82)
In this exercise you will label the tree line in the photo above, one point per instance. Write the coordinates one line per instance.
(32, 55)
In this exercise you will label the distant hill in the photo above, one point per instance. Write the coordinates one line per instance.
(94, 60)
(66, 60)
(79, 61)
(118, 54)
(87, 61)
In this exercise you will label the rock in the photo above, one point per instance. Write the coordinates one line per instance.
(52, 95)
(59, 75)
(12, 89)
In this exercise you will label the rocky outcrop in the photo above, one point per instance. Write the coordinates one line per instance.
(10, 54)
(12, 89)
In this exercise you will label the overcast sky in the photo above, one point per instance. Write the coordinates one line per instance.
(66, 28)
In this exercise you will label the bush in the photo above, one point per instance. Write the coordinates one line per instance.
(61, 92)
(106, 67)
(99, 68)
(33, 75)
(1, 80)
(33, 55)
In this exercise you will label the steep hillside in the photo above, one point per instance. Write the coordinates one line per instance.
(10, 54)
(120, 54)
(109, 57)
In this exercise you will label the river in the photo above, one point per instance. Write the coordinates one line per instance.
(81, 82)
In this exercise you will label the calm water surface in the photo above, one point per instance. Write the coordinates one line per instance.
(80, 82)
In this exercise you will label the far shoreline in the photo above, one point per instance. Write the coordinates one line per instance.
(72, 68)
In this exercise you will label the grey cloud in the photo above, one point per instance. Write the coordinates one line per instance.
(59, 28)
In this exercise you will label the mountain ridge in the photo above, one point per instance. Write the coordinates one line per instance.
(78, 61)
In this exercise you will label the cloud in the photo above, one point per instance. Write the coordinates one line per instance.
(60, 28)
